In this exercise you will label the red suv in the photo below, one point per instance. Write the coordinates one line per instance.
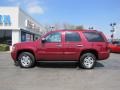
(82, 46)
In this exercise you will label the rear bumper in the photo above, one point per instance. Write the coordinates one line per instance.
(103, 55)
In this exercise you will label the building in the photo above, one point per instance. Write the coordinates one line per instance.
(17, 26)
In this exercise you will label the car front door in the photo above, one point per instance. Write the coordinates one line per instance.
(51, 48)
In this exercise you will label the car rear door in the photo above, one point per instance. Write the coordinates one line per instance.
(72, 45)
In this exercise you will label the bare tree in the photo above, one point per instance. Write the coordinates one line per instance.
(80, 27)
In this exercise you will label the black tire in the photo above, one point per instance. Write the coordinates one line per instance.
(16, 63)
(87, 61)
(26, 60)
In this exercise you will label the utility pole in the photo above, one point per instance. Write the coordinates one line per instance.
(52, 28)
(113, 30)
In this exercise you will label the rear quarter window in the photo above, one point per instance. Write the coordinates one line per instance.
(94, 37)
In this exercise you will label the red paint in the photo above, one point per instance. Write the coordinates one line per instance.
(114, 47)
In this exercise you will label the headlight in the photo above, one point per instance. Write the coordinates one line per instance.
(13, 47)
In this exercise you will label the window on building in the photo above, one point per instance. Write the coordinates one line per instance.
(0, 19)
(25, 36)
(6, 37)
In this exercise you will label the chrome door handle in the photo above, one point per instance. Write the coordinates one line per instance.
(59, 45)
(79, 45)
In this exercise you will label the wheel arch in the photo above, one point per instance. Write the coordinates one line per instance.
(25, 50)
(90, 51)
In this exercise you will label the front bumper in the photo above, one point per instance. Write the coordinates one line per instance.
(14, 55)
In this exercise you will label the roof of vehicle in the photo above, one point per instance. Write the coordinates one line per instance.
(84, 30)
(73, 31)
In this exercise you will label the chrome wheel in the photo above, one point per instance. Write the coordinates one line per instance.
(25, 61)
(88, 61)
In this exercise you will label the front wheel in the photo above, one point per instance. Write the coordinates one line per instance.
(87, 61)
(26, 60)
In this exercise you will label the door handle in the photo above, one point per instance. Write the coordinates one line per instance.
(79, 45)
(59, 45)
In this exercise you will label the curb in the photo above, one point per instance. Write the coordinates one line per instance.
(4, 51)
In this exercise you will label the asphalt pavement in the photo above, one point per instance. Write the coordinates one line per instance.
(57, 76)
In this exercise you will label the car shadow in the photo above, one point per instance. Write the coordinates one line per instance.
(98, 64)
(62, 65)
(56, 65)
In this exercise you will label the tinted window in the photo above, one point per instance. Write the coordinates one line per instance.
(54, 37)
(94, 37)
(72, 37)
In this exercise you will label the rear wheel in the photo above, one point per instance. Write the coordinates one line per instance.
(26, 60)
(87, 61)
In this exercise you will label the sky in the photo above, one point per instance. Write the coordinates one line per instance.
(89, 13)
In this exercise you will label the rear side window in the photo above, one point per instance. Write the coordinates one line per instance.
(94, 37)
(72, 37)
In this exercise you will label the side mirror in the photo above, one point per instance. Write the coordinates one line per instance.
(43, 40)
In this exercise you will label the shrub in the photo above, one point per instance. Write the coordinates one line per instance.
(4, 47)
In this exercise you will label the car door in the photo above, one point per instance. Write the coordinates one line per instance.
(51, 48)
(72, 45)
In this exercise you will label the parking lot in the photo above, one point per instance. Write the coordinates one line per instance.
(46, 76)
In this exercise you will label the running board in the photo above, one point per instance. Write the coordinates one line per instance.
(58, 61)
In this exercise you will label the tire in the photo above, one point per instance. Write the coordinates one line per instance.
(26, 60)
(87, 61)
(16, 63)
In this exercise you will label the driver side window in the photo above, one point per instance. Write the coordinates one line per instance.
(54, 37)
